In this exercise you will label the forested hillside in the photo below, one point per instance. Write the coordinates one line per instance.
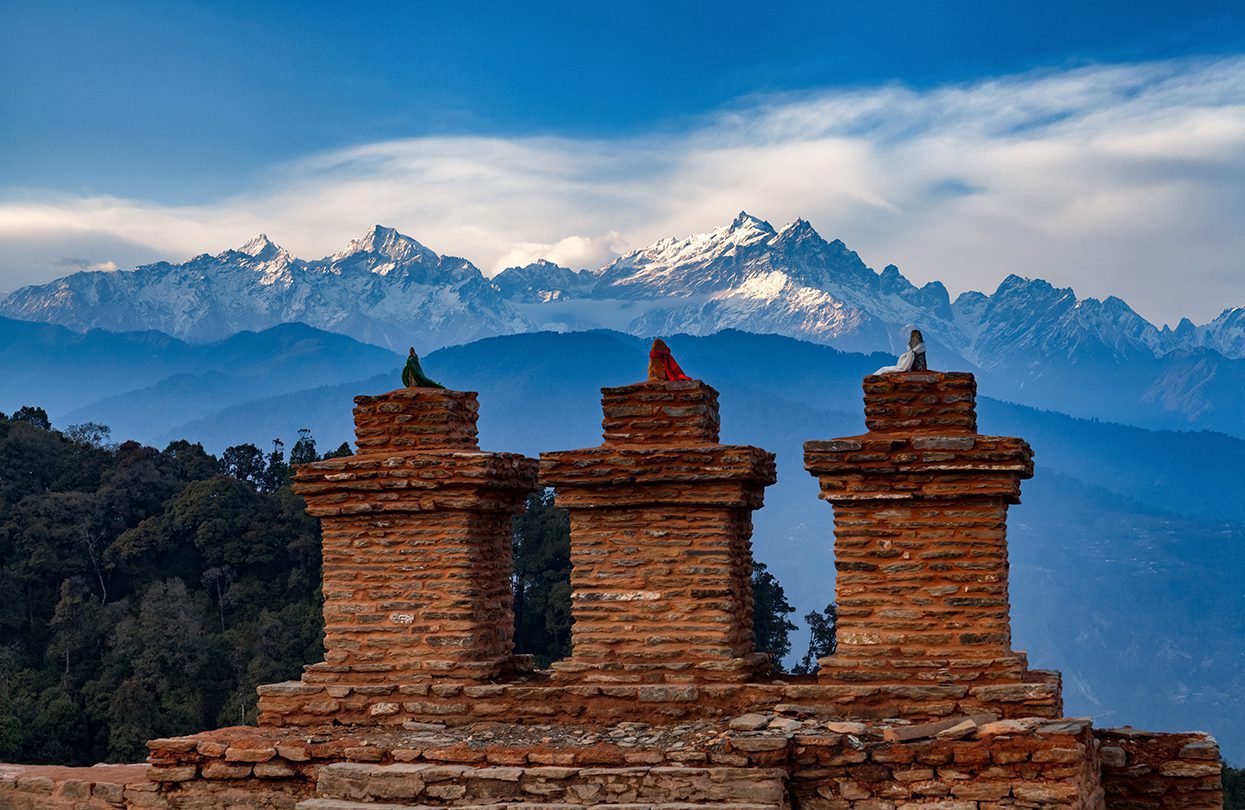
(147, 592)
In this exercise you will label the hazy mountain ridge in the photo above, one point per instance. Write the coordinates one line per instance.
(136, 382)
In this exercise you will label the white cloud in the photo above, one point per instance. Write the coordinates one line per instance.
(576, 252)
(1122, 180)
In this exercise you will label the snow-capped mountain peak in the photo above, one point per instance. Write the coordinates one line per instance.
(387, 243)
(799, 228)
(261, 248)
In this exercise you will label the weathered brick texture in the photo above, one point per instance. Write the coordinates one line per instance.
(1143, 770)
(920, 506)
(660, 540)
(920, 401)
(416, 534)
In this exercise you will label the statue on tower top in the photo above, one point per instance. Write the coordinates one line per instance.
(662, 367)
(911, 360)
(413, 375)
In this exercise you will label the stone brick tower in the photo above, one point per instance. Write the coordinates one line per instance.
(661, 527)
(920, 506)
(416, 544)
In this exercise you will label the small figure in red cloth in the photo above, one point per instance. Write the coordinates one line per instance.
(661, 364)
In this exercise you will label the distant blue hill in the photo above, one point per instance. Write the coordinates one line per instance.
(1128, 552)
(143, 383)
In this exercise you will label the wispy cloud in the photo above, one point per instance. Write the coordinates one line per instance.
(1122, 180)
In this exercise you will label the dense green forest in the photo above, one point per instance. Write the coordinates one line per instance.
(147, 592)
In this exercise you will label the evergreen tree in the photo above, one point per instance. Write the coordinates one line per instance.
(821, 641)
(304, 450)
(770, 626)
(541, 538)
(36, 417)
(1233, 788)
(276, 471)
(245, 462)
(342, 451)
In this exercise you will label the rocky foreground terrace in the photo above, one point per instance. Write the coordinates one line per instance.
(421, 702)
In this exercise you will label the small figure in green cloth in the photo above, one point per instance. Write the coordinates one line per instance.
(413, 376)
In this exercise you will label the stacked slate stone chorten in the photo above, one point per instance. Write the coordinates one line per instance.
(920, 506)
(663, 703)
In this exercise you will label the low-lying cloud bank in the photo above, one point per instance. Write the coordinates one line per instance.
(1126, 180)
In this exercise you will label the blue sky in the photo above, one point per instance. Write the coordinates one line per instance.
(136, 131)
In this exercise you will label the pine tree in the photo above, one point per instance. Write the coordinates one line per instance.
(770, 626)
(821, 641)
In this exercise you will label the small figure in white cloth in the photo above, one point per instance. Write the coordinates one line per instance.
(911, 360)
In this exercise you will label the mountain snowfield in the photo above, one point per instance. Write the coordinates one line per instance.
(382, 288)
(386, 288)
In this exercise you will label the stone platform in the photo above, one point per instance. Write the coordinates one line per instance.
(775, 759)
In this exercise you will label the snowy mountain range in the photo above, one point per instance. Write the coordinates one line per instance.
(382, 288)
(386, 288)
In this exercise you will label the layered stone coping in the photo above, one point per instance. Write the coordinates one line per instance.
(676, 412)
(920, 401)
(27, 787)
(305, 705)
(620, 476)
(415, 482)
(957, 762)
(889, 664)
(416, 418)
(346, 785)
(597, 673)
(874, 467)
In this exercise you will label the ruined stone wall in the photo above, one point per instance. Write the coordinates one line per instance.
(663, 704)
(1142, 770)
(996, 764)
(779, 759)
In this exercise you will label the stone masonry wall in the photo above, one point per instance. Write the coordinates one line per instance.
(1142, 770)
(660, 540)
(915, 402)
(416, 419)
(920, 580)
(416, 531)
(921, 539)
(679, 412)
(420, 703)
